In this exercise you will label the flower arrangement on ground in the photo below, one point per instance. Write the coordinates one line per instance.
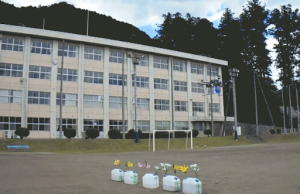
(195, 169)
(184, 169)
(165, 167)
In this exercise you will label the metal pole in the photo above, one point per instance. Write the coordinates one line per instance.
(211, 105)
(43, 23)
(87, 23)
(234, 106)
(256, 114)
(284, 129)
(61, 88)
(135, 101)
(223, 127)
(123, 109)
(172, 98)
(291, 116)
(297, 107)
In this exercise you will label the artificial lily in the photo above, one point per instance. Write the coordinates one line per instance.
(116, 162)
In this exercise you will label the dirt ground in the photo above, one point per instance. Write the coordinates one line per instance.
(256, 169)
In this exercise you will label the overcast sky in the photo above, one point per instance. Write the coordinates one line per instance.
(146, 14)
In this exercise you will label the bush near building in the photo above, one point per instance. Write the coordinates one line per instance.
(22, 132)
(92, 133)
(70, 133)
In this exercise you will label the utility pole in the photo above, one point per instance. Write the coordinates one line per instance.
(284, 129)
(297, 106)
(211, 105)
(123, 108)
(61, 88)
(43, 23)
(234, 73)
(291, 116)
(87, 23)
(135, 103)
(172, 98)
(256, 115)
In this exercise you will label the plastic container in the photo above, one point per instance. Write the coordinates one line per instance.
(131, 177)
(171, 183)
(117, 174)
(150, 181)
(191, 186)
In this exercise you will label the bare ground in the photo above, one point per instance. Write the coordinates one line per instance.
(259, 168)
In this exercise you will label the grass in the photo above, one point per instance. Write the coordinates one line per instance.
(284, 138)
(118, 145)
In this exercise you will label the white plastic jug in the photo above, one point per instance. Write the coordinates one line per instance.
(171, 183)
(191, 186)
(131, 177)
(117, 175)
(150, 181)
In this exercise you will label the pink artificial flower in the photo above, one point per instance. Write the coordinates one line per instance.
(139, 165)
(147, 166)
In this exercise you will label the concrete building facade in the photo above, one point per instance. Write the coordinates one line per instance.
(30, 62)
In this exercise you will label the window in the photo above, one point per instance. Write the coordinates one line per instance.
(38, 124)
(180, 86)
(67, 99)
(66, 124)
(93, 54)
(116, 79)
(165, 125)
(117, 124)
(68, 75)
(196, 68)
(10, 123)
(179, 66)
(142, 61)
(143, 125)
(142, 104)
(69, 50)
(11, 96)
(93, 101)
(116, 57)
(91, 123)
(161, 105)
(12, 44)
(181, 106)
(41, 47)
(197, 88)
(162, 84)
(38, 97)
(181, 125)
(39, 72)
(116, 102)
(198, 107)
(160, 63)
(216, 107)
(214, 71)
(141, 82)
(93, 77)
(11, 70)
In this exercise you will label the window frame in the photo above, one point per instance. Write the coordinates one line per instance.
(15, 70)
(69, 75)
(45, 47)
(179, 66)
(180, 86)
(142, 124)
(116, 59)
(160, 106)
(97, 101)
(182, 125)
(11, 121)
(119, 124)
(196, 68)
(141, 82)
(39, 98)
(90, 53)
(64, 100)
(17, 44)
(160, 85)
(38, 74)
(216, 107)
(141, 104)
(11, 98)
(38, 124)
(198, 107)
(160, 63)
(197, 88)
(117, 78)
(98, 126)
(90, 76)
(181, 106)
(70, 50)
(215, 71)
(160, 126)
(117, 104)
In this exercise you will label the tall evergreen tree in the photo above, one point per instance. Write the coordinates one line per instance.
(286, 27)
(254, 25)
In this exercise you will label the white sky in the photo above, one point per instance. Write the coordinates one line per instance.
(148, 13)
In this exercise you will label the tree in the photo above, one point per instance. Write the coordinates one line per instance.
(286, 26)
(254, 25)
(22, 132)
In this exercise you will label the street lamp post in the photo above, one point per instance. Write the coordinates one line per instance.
(136, 61)
(234, 73)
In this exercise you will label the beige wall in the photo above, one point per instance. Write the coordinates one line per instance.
(41, 111)
(12, 57)
(11, 83)
(13, 110)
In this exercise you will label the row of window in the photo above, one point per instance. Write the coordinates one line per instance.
(43, 124)
(69, 50)
(38, 72)
(43, 98)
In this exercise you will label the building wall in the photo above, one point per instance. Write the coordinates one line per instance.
(26, 110)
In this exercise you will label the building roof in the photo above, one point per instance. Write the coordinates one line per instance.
(106, 42)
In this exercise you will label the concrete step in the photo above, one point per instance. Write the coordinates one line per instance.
(255, 139)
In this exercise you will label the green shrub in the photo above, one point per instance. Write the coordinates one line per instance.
(207, 132)
(69, 133)
(130, 134)
(195, 132)
(92, 133)
(114, 134)
(272, 131)
(22, 132)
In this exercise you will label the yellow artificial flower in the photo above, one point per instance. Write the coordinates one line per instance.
(117, 162)
(184, 168)
(175, 167)
(130, 164)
